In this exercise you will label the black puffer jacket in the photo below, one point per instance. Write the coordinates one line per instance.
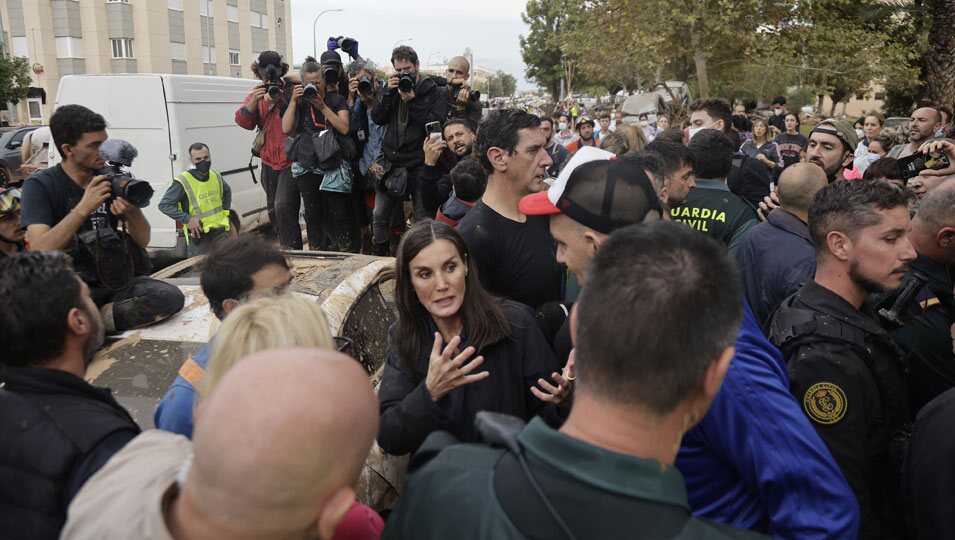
(51, 423)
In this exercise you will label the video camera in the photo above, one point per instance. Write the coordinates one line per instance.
(119, 155)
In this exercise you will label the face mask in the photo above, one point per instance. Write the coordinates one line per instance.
(694, 131)
(562, 126)
(644, 124)
(874, 157)
(860, 133)
(204, 166)
(777, 112)
(940, 134)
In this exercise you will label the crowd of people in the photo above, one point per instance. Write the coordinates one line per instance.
(605, 328)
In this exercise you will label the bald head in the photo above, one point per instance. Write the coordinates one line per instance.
(797, 185)
(283, 435)
(459, 69)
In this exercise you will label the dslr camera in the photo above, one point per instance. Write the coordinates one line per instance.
(346, 44)
(311, 91)
(119, 155)
(365, 86)
(474, 95)
(406, 80)
(330, 73)
(272, 84)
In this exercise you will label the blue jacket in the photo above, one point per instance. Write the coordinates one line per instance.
(174, 412)
(776, 258)
(755, 461)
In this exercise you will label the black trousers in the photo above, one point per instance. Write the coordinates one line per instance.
(331, 218)
(284, 202)
(142, 302)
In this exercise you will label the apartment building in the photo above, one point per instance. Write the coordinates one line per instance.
(195, 37)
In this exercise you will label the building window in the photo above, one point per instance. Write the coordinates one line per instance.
(35, 109)
(69, 47)
(177, 51)
(205, 8)
(233, 58)
(259, 20)
(232, 13)
(20, 46)
(209, 55)
(122, 48)
(174, 4)
(117, 1)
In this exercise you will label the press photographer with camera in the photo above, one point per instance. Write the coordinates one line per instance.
(325, 186)
(405, 104)
(262, 110)
(97, 220)
(463, 102)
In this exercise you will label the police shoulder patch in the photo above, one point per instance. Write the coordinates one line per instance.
(825, 403)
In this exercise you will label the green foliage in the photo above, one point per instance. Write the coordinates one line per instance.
(541, 48)
(501, 84)
(14, 78)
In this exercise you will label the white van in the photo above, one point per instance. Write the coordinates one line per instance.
(161, 115)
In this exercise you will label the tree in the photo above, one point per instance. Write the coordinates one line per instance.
(501, 84)
(541, 49)
(940, 57)
(14, 78)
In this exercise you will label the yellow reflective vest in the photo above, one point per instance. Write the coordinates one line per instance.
(205, 201)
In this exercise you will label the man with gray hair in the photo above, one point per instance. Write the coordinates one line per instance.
(777, 257)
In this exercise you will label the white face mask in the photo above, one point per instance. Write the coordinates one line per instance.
(694, 131)
(644, 124)
(874, 157)
(777, 112)
(860, 133)
(562, 126)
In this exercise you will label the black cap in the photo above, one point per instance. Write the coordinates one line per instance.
(331, 57)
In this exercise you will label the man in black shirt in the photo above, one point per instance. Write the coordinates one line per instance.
(778, 120)
(558, 154)
(71, 207)
(406, 104)
(58, 430)
(514, 253)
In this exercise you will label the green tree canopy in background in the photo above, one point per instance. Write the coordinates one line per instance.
(14, 78)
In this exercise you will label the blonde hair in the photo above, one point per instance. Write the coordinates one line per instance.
(266, 323)
(636, 139)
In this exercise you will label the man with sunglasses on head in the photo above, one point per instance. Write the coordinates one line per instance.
(11, 232)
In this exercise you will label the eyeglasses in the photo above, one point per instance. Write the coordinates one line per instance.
(9, 203)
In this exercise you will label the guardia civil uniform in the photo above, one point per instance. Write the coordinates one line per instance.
(209, 199)
(847, 375)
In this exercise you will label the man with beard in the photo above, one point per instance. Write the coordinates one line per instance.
(558, 154)
(845, 371)
(832, 145)
(57, 429)
(678, 177)
(923, 124)
(442, 154)
(585, 129)
(460, 102)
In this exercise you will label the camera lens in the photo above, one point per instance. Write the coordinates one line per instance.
(311, 91)
(331, 75)
(137, 192)
(364, 85)
(274, 91)
(346, 44)
(405, 81)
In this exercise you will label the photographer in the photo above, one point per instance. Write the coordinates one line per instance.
(73, 208)
(329, 207)
(405, 104)
(462, 101)
(334, 73)
(263, 109)
(441, 154)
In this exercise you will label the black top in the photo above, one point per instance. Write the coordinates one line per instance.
(926, 337)
(403, 141)
(56, 430)
(790, 146)
(778, 122)
(408, 414)
(309, 118)
(929, 470)
(854, 395)
(514, 260)
(50, 194)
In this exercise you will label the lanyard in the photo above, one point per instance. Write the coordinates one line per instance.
(311, 109)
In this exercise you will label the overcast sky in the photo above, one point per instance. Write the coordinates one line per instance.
(491, 30)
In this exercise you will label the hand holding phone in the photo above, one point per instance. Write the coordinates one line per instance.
(433, 129)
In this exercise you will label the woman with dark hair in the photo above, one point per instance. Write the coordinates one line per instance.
(792, 144)
(456, 350)
(762, 147)
(330, 212)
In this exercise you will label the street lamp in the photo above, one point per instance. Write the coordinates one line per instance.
(401, 41)
(315, 22)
